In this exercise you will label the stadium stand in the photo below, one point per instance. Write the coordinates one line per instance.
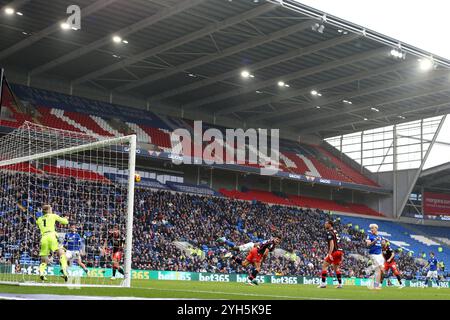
(439, 234)
(164, 218)
(191, 188)
(403, 236)
(74, 172)
(300, 201)
(83, 115)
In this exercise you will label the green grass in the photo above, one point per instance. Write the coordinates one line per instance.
(214, 290)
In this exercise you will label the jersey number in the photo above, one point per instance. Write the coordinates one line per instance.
(45, 222)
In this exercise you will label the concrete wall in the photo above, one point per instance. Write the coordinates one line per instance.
(386, 204)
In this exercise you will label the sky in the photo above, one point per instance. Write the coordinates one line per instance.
(423, 24)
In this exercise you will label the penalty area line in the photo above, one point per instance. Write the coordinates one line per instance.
(237, 294)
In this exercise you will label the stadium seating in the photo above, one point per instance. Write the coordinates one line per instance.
(403, 235)
(21, 167)
(308, 202)
(88, 123)
(84, 115)
(300, 201)
(74, 172)
(440, 234)
(191, 188)
(199, 220)
(348, 172)
(49, 119)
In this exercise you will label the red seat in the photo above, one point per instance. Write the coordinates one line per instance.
(53, 121)
(21, 167)
(75, 173)
(300, 201)
(87, 122)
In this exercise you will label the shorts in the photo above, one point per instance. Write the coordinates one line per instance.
(117, 256)
(391, 266)
(253, 256)
(246, 247)
(432, 274)
(73, 254)
(377, 260)
(49, 244)
(337, 258)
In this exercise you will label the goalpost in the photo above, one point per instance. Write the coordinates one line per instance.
(88, 179)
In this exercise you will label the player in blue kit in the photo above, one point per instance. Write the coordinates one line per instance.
(432, 266)
(74, 245)
(373, 242)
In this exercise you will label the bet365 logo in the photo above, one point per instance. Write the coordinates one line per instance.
(74, 20)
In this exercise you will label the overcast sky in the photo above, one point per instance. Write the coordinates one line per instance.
(423, 24)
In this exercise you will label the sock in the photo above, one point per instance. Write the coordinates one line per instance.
(114, 272)
(399, 279)
(377, 277)
(437, 281)
(121, 270)
(339, 277)
(426, 281)
(253, 274)
(324, 277)
(63, 263)
(42, 267)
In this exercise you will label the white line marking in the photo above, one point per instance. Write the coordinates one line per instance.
(21, 296)
(237, 294)
(11, 298)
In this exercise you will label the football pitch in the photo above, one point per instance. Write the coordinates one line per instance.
(156, 289)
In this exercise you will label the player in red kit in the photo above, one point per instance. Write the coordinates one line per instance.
(256, 257)
(390, 264)
(117, 243)
(334, 256)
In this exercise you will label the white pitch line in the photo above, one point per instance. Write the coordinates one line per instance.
(21, 296)
(237, 294)
(11, 298)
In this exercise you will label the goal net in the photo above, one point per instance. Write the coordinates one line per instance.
(87, 179)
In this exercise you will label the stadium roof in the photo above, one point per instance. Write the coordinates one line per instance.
(306, 73)
(437, 177)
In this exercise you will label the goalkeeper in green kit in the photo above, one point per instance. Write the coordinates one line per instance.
(49, 240)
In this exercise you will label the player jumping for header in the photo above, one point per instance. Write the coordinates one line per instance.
(256, 256)
(49, 240)
(246, 247)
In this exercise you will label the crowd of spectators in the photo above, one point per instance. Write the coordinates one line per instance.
(166, 218)
(174, 231)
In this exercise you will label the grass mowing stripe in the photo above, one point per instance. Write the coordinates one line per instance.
(237, 294)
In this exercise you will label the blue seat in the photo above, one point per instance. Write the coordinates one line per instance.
(400, 236)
